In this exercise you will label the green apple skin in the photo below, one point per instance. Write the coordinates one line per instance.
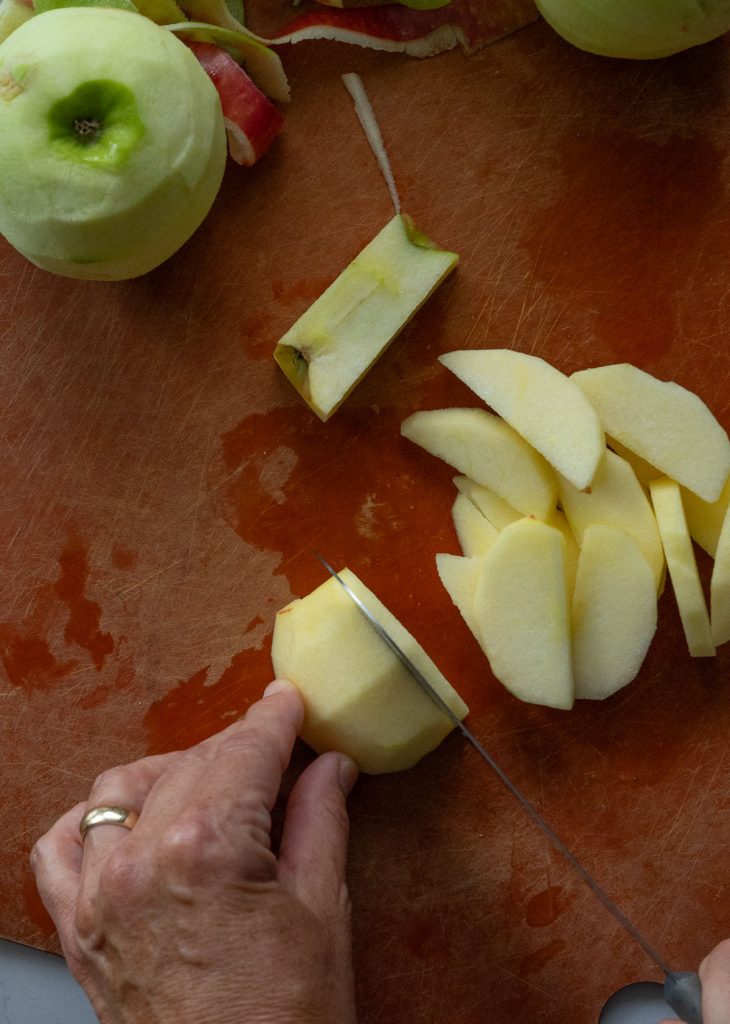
(112, 142)
(12, 15)
(636, 29)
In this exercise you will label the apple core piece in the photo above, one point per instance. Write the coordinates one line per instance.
(112, 144)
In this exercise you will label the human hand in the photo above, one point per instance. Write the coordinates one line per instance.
(715, 977)
(190, 917)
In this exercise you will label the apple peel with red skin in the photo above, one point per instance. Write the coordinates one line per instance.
(470, 24)
(252, 121)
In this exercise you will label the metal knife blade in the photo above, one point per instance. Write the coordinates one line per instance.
(682, 989)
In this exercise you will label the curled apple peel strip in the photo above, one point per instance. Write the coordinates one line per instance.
(366, 114)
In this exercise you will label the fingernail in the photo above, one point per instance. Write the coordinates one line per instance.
(347, 773)
(277, 686)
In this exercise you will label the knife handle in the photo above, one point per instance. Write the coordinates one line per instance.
(683, 992)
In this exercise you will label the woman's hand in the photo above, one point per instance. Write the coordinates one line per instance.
(715, 977)
(190, 918)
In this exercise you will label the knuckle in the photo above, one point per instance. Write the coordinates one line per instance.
(122, 874)
(190, 845)
(109, 785)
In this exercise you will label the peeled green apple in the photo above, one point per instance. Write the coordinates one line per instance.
(638, 29)
(112, 143)
(358, 697)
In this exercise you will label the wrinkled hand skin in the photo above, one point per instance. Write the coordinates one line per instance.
(715, 977)
(190, 918)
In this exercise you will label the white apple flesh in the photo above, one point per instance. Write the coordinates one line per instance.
(112, 143)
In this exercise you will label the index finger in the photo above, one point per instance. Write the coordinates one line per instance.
(230, 786)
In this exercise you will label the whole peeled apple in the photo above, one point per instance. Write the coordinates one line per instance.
(638, 29)
(112, 142)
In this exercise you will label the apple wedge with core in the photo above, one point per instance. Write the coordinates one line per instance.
(662, 422)
(358, 697)
(335, 342)
(667, 501)
(487, 450)
(543, 405)
(616, 499)
(476, 534)
(112, 145)
(521, 606)
(614, 612)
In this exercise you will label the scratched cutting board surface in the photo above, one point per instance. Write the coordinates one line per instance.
(163, 486)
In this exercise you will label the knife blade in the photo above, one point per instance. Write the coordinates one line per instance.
(682, 989)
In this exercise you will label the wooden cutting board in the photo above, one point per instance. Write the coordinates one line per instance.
(163, 486)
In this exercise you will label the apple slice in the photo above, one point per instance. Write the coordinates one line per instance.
(615, 499)
(667, 500)
(358, 697)
(543, 405)
(334, 343)
(476, 534)
(664, 423)
(252, 121)
(521, 606)
(558, 520)
(499, 512)
(460, 577)
(488, 451)
(705, 519)
(614, 612)
(720, 587)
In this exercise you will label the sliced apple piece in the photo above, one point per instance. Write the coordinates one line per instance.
(334, 343)
(644, 470)
(543, 405)
(662, 422)
(460, 577)
(521, 606)
(667, 501)
(615, 499)
(488, 451)
(705, 519)
(499, 512)
(358, 697)
(476, 534)
(614, 612)
(558, 520)
(720, 587)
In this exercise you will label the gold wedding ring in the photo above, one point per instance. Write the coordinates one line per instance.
(107, 816)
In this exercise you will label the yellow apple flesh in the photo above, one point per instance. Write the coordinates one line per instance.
(662, 422)
(358, 697)
(543, 405)
(475, 533)
(614, 612)
(667, 501)
(487, 450)
(521, 606)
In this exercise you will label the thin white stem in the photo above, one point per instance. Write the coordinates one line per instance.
(354, 85)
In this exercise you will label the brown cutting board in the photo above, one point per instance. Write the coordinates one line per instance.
(162, 487)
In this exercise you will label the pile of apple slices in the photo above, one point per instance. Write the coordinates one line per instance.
(575, 494)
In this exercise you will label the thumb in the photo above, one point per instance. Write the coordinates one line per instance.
(715, 978)
(313, 850)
